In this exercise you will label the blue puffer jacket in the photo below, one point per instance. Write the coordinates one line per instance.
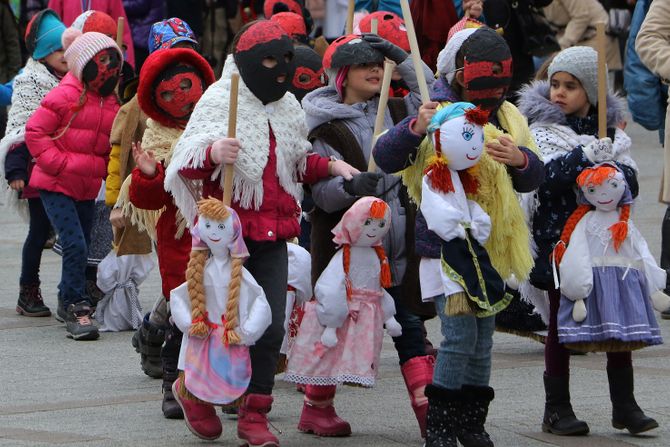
(646, 94)
(141, 15)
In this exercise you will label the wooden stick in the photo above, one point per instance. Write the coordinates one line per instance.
(228, 171)
(602, 79)
(350, 17)
(374, 26)
(119, 32)
(381, 111)
(416, 55)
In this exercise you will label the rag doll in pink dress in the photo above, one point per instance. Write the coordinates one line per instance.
(340, 338)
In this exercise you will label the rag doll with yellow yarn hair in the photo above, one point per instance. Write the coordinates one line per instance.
(470, 283)
(221, 311)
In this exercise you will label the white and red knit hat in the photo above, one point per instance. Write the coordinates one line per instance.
(80, 48)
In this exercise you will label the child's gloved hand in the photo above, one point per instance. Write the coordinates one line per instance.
(579, 311)
(329, 337)
(660, 301)
(340, 168)
(389, 50)
(363, 184)
(599, 151)
(393, 328)
(224, 151)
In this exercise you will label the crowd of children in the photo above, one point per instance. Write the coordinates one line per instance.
(471, 197)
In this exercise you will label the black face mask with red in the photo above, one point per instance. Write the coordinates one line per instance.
(264, 57)
(177, 91)
(309, 73)
(487, 68)
(102, 72)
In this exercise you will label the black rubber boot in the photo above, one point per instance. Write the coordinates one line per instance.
(559, 418)
(148, 341)
(665, 255)
(471, 432)
(443, 418)
(30, 301)
(626, 414)
(169, 360)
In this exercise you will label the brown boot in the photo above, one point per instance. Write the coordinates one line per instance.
(30, 301)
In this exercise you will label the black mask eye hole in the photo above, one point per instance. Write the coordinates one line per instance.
(497, 68)
(269, 62)
(185, 84)
(288, 57)
(303, 79)
(167, 96)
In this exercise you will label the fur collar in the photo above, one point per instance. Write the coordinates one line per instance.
(209, 122)
(534, 103)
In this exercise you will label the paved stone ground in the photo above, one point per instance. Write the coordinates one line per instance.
(59, 392)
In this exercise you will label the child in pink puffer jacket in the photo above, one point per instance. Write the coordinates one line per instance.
(68, 136)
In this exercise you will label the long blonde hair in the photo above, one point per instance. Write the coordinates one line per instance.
(213, 209)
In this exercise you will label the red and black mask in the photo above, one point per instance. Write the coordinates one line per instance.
(177, 91)
(309, 73)
(487, 68)
(102, 72)
(264, 57)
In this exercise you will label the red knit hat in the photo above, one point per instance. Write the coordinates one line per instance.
(95, 21)
(271, 7)
(154, 65)
(292, 23)
(389, 26)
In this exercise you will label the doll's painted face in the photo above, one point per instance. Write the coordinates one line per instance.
(216, 234)
(373, 231)
(607, 195)
(461, 142)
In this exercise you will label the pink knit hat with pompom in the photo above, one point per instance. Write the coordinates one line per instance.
(81, 48)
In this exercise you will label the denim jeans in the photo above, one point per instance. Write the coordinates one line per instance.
(410, 344)
(72, 220)
(464, 355)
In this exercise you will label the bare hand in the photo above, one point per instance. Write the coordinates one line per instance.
(225, 150)
(506, 152)
(17, 185)
(117, 218)
(340, 168)
(473, 8)
(426, 113)
(144, 160)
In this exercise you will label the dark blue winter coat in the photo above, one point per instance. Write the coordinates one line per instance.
(141, 15)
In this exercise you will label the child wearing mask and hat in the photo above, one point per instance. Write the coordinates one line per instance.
(474, 66)
(43, 71)
(68, 136)
(270, 156)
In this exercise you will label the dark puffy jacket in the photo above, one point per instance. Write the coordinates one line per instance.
(141, 15)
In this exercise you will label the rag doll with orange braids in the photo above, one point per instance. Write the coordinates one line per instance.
(340, 337)
(222, 311)
(609, 278)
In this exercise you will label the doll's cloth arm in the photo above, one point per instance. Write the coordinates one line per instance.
(480, 223)
(656, 276)
(576, 269)
(331, 294)
(388, 305)
(180, 307)
(441, 217)
(259, 315)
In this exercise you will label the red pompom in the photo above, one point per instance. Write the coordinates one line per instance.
(477, 116)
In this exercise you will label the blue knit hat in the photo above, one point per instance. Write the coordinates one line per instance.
(453, 110)
(167, 33)
(43, 34)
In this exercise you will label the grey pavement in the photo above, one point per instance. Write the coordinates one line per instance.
(56, 391)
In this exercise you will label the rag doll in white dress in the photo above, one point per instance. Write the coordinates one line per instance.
(610, 283)
(222, 311)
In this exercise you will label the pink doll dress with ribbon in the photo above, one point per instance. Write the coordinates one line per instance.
(340, 338)
(216, 371)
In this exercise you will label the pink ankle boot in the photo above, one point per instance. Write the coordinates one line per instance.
(200, 417)
(318, 414)
(418, 372)
(252, 421)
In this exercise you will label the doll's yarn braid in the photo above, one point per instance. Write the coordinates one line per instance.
(195, 273)
(570, 224)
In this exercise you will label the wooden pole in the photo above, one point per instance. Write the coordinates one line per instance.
(381, 111)
(602, 79)
(374, 26)
(119, 32)
(416, 55)
(350, 17)
(228, 171)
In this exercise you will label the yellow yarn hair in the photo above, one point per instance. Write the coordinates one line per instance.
(509, 242)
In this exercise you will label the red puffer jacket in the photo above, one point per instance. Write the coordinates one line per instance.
(75, 163)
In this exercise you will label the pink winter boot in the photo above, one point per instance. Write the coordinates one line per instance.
(418, 372)
(318, 414)
(200, 417)
(252, 421)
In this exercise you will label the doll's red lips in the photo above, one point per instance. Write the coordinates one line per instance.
(370, 235)
(605, 203)
(214, 240)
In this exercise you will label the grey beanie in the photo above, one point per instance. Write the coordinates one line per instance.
(582, 63)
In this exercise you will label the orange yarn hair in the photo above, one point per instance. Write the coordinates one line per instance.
(213, 209)
(570, 224)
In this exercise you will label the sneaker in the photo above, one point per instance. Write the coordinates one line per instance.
(79, 324)
(665, 314)
(30, 302)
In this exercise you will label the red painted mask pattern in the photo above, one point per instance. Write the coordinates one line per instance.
(101, 73)
(178, 95)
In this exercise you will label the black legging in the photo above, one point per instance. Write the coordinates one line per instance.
(38, 232)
